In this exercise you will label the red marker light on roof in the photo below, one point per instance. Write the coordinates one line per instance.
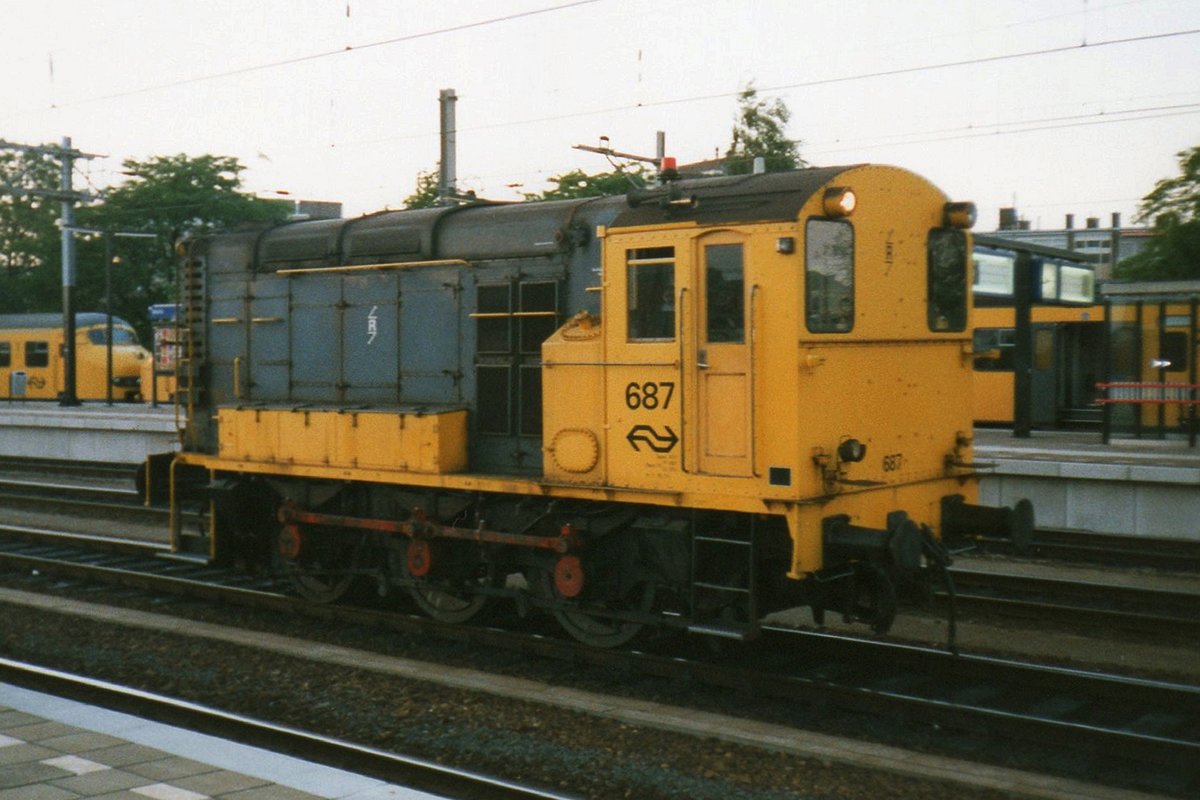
(668, 163)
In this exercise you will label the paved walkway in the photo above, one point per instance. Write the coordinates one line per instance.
(55, 749)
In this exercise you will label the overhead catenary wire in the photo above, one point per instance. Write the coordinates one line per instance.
(286, 62)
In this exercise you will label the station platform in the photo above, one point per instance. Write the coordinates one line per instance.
(123, 433)
(56, 749)
(1145, 486)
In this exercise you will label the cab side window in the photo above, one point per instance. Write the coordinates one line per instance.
(37, 354)
(947, 278)
(650, 272)
(829, 276)
(5, 354)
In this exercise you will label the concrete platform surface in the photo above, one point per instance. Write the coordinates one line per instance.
(1148, 487)
(94, 431)
(56, 749)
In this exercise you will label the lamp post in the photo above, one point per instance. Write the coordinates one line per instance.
(109, 260)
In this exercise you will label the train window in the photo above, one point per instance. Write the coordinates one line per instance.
(1043, 348)
(947, 280)
(994, 349)
(650, 272)
(1172, 348)
(493, 391)
(37, 354)
(493, 319)
(1126, 346)
(539, 314)
(5, 354)
(994, 273)
(1077, 284)
(725, 294)
(120, 336)
(829, 276)
(531, 400)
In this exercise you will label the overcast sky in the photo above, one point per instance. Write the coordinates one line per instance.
(1058, 106)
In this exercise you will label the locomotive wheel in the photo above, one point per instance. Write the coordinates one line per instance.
(445, 604)
(440, 599)
(594, 628)
(326, 570)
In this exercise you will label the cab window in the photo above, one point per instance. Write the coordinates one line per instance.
(120, 336)
(37, 354)
(947, 279)
(650, 272)
(829, 276)
(5, 354)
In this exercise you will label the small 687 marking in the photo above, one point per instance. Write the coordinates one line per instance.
(892, 462)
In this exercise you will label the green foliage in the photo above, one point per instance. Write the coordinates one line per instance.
(577, 183)
(1174, 206)
(1175, 200)
(426, 194)
(30, 244)
(172, 197)
(761, 130)
(177, 196)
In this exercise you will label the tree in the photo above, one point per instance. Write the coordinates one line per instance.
(1174, 207)
(761, 130)
(426, 194)
(30, 241)
(173, 197)
(577, 183)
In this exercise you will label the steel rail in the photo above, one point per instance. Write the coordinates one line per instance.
(394, 768)
(1181, 555)
(1136, 608)
(111, 469)
(1010, 699)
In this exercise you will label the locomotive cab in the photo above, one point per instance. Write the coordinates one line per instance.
(810, 373)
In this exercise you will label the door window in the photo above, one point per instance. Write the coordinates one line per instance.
(726, 321)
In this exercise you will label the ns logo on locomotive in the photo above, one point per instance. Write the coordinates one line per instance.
(684, 408)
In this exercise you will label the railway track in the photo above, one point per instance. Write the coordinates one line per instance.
(1131, 723)
(1180, 555)
(390, 767)
(1164, 613)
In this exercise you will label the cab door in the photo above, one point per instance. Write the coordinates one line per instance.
(722, 363)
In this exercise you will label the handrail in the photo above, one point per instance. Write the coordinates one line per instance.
(1149, 393)
(683, 465)
(752, 378)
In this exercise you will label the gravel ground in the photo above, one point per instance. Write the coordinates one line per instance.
(584, 756)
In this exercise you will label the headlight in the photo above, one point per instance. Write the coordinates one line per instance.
(839, 202)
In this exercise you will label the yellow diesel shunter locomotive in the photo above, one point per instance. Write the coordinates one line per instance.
(687, 407)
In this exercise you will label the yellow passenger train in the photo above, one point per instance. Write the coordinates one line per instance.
(31, 357)
(1130, 343)
(684, 408)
